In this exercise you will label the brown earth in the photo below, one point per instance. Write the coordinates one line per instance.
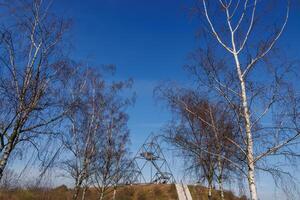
(134, 192)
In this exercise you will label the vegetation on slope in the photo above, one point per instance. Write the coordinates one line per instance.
(134, 192)
(201, 193)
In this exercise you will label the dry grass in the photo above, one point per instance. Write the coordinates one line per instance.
(200, 193)
(134, 192)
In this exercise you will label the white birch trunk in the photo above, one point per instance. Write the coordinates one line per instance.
(102, 194)
(210, 191)
(76, 191)
(243, 94)
(114, 194)
(220, 178)
(83, 193)
(246, 114)
(4, 158)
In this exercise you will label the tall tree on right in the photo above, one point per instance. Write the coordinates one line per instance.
(240, 63)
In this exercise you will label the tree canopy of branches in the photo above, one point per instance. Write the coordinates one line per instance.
(32, 71)
(112, 157)
(239, 64)
(202, 130)
(97, 135)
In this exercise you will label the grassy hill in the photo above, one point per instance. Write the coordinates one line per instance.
(200, 193)
(135, 192)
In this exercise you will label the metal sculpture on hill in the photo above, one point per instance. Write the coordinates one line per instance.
(151, 165)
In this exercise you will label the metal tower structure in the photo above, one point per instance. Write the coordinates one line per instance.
(151, 164)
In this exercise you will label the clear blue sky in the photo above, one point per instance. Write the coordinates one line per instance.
(148, 41)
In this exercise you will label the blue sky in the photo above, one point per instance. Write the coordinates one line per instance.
(148, 41)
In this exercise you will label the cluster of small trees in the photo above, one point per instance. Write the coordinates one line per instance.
(242, 118)
(96, 130)
(202, 131)
(45, 96)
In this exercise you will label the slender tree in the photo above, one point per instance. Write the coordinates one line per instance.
(31, 75)
(239, 64)
(112, 151)
(86, 107)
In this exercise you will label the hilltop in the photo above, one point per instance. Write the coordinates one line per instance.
(134, 192)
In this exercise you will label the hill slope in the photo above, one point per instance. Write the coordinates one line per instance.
(135, 192)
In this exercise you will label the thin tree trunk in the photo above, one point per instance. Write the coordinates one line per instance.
(8, 149)
(102, 194)
(209, 191)
(4, 158)
(220, 167)
(77, 188)
(220, 178)
(76, 192)
(250, 157)
(246, 115)
(114, 194)
(221, 189)
(84, 192)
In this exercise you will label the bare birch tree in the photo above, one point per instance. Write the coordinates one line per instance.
(239, 63)
(32, 62)
(97, 137)
(112, 152)
(86, 103)
(202, 130)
